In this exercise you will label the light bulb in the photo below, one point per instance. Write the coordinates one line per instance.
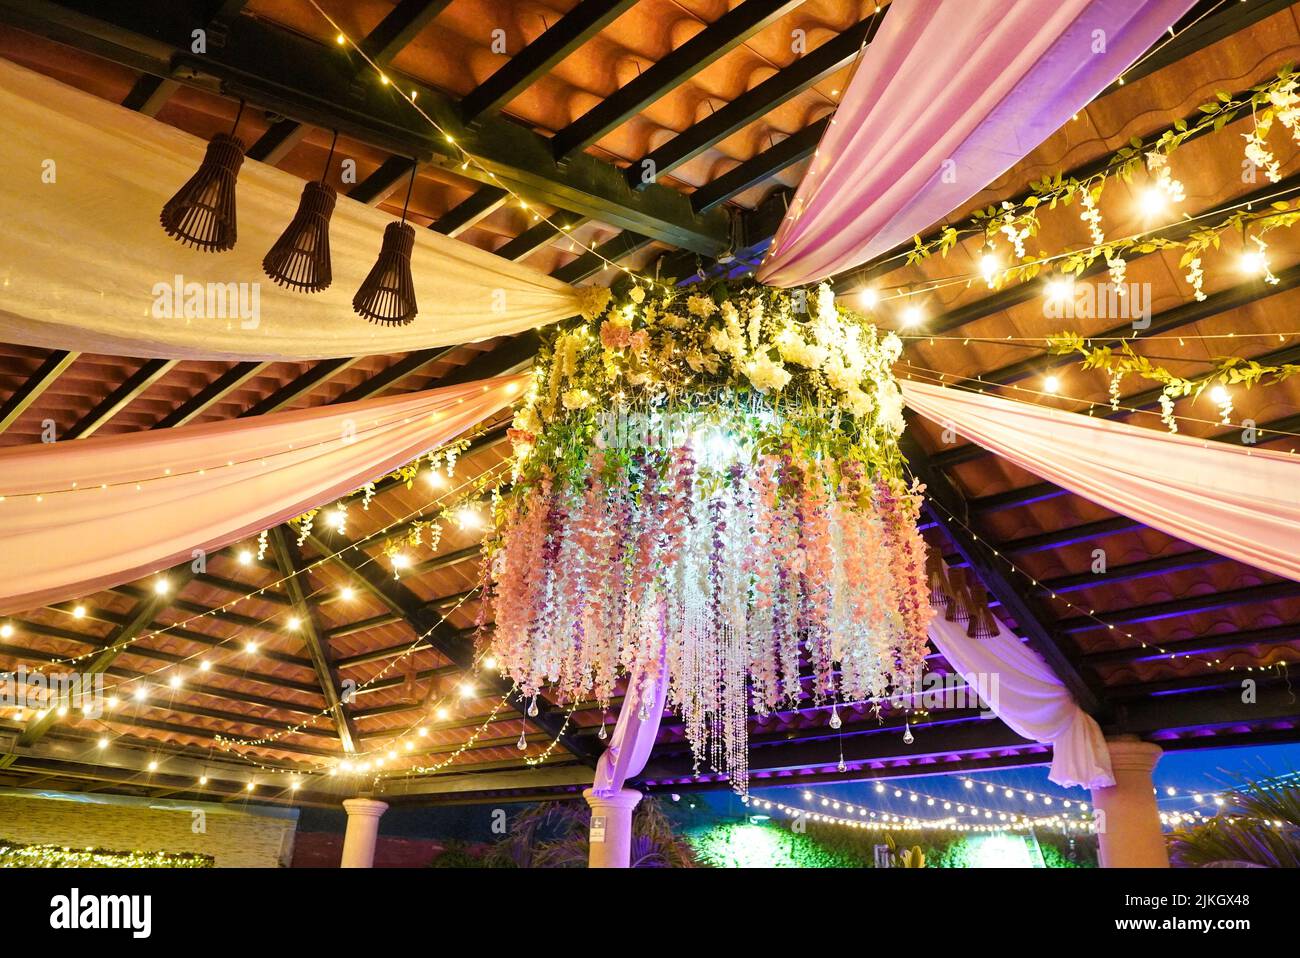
(79, 612)
(466, 690)
(141, 694)
(868, 298)
(175, 682)
(6, 630)
(153, 766)
(401, 560)
(294, 622)
(989, 266)
(245, 557)
(1219, 394)
(1152, 201)
(490, 663)
(161, 587)
(204, 665)
(103, 743)
(1253, 262)
(250, 647)
(1051, 384)
(912, 316)
(348, 593)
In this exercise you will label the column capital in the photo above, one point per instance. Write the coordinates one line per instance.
(624, 798)
(364, 807)
(1131, 754)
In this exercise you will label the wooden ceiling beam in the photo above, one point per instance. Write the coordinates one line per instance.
(480, 204)
(149, 373)
(807, 70)
(1216, 643)
(296, 77)
(211, 394)
(1179, 608)
(45, 375)
(583, 21)
(448, 641)
(716, 39)
(952, 514)
(141, 616)
(540, 235)
(293, 569)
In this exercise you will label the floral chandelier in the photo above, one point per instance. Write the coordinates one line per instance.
(708, 491)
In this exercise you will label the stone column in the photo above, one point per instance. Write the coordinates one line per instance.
(1129, 834)
(363, 832)
(611, 827)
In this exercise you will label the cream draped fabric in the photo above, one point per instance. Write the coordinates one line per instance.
(83, 259)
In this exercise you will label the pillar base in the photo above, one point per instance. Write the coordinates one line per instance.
(611, 827)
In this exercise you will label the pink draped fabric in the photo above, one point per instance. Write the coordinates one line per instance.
(87, 514)
(1025, 694)
(1238, 501)
(949, 96)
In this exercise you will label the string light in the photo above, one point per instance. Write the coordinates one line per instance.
(469, 159)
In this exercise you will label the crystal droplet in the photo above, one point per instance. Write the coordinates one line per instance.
(842, 767)
(532, 707)
(643, 713)
(602, 734)
(523, 742)
(835, 718)
(908, 737)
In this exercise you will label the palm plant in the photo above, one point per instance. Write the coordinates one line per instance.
(1260, 828)
(654, 843)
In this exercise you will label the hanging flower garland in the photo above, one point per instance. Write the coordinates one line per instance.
(709, 491)
(1227, 371)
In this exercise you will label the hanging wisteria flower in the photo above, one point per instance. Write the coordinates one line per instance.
(709, 491)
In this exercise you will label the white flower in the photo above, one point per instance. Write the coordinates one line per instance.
(793, 349)
(577, 399)
(765, 374)
(889, 407)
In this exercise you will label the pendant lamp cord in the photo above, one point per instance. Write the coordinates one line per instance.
(409, 187)
(325, 172)
(238, 115)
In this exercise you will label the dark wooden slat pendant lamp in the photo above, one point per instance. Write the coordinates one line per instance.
(202, 213)
(300, 258)
(387, 295)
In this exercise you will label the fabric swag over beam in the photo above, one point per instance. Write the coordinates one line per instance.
(1240, 502)
(85, 515)
(949, 96)
(87, 268)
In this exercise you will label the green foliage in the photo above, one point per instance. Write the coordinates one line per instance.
(458, 854)
(744, 845)
(1259, 828)
(1056, 188)
(554, 835)
(18, 855)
